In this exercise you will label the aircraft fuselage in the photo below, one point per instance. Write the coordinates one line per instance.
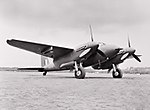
(85, 50)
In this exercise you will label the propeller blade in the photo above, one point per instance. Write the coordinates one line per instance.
(136, 57)
(101, 53)
(129, 44)
(91, 33)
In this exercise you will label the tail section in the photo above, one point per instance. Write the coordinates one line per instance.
(44, 61)
(47, 63)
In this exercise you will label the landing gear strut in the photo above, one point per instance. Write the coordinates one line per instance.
(116, 73)
(79, 71)
(45, 72)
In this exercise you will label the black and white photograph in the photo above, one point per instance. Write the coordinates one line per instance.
(74, 55)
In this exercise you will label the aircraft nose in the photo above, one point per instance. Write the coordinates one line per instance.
(130, 50)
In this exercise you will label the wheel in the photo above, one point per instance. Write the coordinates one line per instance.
(117, 74)
(44, 74)
(80, 74)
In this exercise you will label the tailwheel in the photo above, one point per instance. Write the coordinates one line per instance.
(117, 73)
(45, 72)
(80, 73)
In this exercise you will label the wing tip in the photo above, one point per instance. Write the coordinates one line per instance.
(9, 41)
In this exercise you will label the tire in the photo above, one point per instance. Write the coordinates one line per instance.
(44, 74)
(80, 74)
(117, 74)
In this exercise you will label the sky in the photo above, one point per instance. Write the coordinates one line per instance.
(66, 23)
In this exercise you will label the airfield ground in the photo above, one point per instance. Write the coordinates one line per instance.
(61, 91)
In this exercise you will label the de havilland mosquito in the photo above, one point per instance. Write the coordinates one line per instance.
(98, 55)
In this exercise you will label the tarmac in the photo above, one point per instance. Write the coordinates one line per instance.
(61, 91)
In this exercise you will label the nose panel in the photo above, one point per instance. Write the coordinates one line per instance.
(109, 50)
(129, 50)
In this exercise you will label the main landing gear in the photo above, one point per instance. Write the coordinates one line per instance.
(79, 71)
(116, 73)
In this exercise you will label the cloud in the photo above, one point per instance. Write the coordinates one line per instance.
(65, 22)
(73, 13)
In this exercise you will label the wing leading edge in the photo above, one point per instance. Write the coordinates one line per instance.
(41, 49)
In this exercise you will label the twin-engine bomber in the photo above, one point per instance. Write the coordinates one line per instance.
(98, 55)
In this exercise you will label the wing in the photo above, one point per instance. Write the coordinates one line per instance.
(41, 49)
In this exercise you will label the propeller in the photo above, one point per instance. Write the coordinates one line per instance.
(101, 53)
(136, 57)
(92, 39)
(132, 51)
(129, 44)
(91, 33)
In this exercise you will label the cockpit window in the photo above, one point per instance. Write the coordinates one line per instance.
(101, 43)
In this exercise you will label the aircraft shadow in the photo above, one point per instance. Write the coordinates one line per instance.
(98, 78)
(72, 77)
